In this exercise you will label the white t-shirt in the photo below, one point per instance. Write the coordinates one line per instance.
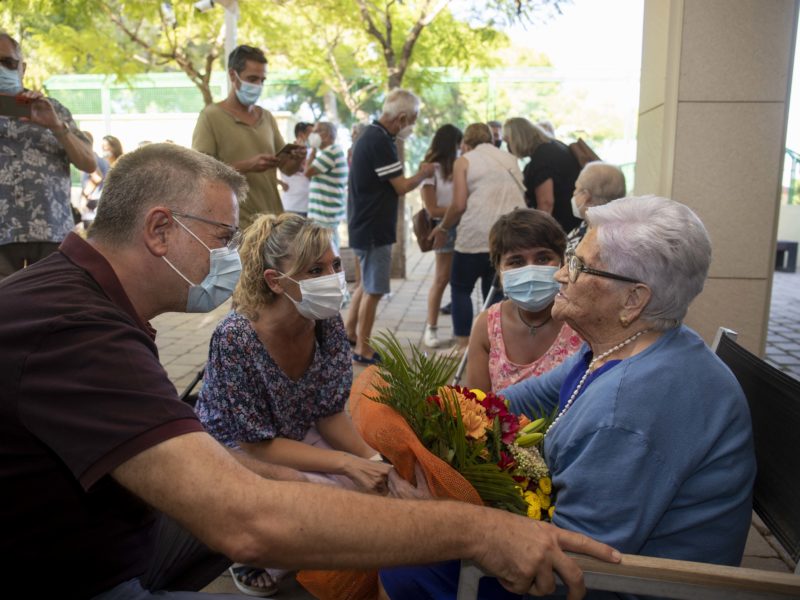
(444, 187)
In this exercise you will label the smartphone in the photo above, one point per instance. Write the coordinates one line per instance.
(14, 106)
(289, 148)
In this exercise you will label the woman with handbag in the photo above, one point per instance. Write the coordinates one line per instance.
(487, 183)
(437, 194)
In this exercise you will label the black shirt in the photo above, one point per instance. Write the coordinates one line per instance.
(553, 160)
(372, 201)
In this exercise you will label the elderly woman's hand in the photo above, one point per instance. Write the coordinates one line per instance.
(367, 474)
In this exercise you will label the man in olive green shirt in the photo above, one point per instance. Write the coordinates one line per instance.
(246, 136)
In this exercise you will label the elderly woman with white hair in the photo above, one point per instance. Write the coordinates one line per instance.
(651, 450)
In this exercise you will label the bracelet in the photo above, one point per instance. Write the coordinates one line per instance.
(444, 229)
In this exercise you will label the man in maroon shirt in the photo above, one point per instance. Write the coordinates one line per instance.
(97, 452)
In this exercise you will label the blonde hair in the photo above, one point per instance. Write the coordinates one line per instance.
(287, 243)
(523, 137)
(476, 134)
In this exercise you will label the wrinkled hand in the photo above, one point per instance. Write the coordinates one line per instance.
(400, 488)
(42, 112)
(262, 162)
(535, 554)
(369, 475)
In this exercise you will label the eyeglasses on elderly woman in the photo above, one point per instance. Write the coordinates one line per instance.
(575, 267)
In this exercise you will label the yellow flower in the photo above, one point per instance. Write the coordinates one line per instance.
(479, 394)
(534, 505)
(551, 511)
(546, 485)
(544, 499)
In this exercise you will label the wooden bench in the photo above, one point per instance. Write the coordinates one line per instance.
(774, 400)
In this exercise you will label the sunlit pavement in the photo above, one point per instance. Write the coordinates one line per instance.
(183, 345)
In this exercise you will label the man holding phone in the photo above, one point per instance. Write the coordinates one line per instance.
(245, 136)
(38, 141)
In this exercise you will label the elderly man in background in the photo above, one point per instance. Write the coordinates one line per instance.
(327, 193)
(376, 181)
(598, 183)
(245, 136)
(99, 454)
(35, 154)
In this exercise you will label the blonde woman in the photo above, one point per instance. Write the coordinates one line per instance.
(551, 173)
(279, 370)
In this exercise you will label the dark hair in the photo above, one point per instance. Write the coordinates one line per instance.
(525, 228)
(115, 145)
(241, 54)
(443, 148)
(301, 127)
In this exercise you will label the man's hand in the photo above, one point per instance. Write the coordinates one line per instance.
(524, 554)
(42, 112)
(260, 163)
(439, 237)
(427, 169)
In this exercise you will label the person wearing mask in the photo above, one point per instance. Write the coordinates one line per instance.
(35, 155)
(279, 372)
(497, 132)
(327, 196)
(92, 185)
(598, 183)
(518, 337)
(242, 134)
(134, 499)
(376, 181)
(112, 149)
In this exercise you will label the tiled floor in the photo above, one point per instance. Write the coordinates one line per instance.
(183, 345)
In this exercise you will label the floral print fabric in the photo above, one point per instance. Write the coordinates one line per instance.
(246, 397)
(34, 181)
(503, 372)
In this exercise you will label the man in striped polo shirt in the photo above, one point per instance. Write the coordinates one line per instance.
(327, 193)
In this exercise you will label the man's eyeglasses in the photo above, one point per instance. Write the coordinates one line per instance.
(575, 267)
(236, 235)
(9, 62)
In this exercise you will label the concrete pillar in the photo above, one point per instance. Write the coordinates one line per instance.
(712, 127)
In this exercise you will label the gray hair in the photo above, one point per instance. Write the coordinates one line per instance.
(523, 137)
(156, 174)
(400, 101)
(661, 243)
(328, 127)
(604, 181)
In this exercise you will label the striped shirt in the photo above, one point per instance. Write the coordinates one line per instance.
(327, 194)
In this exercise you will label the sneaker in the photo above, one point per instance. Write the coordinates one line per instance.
(446, 309)
(430, 338)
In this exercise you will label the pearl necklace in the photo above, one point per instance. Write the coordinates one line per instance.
(589, 370)
(533, 328)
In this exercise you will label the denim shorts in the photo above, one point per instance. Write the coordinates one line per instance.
(450, 244)
(376, 265)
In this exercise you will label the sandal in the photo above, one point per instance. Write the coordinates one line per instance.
(363, 360)
(244, 578)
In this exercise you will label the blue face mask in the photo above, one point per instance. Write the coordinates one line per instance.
(218, 285)
(248, 93)
(9, 81)
(531, 287)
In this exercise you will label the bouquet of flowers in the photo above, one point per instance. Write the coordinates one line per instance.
(498, 453)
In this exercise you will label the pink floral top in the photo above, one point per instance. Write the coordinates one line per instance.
(503, 372)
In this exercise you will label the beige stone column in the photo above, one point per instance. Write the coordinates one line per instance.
(712, 128)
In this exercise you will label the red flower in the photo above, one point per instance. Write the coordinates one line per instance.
(506, 462)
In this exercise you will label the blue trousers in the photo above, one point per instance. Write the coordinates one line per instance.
(466, 270)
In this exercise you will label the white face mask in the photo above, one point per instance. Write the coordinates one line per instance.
(576, 211)
(531, 287)
(321, 297)
(315, 140)
(405, 132)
